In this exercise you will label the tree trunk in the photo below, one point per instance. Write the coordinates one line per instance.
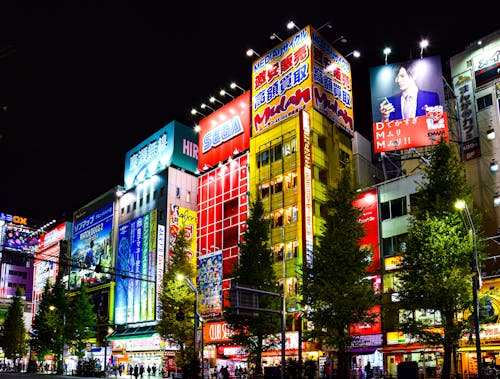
(343, 366)
(445, 373)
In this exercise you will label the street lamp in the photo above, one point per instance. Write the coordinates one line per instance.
(462, 206)
(60, 368)
(197, 319)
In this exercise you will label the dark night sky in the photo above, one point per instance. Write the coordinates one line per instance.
(84, 82)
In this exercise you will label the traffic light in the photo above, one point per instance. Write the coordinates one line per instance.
(179, 316)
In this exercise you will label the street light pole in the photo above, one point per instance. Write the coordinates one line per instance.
(60, 368)
(462, 206)
(197, 320)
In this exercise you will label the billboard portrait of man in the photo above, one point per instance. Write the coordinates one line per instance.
(408, 104)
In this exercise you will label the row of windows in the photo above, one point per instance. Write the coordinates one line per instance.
(289, 250)
(22, 274)
(284, 216)
(276, 152)
(276, 185)
(393, 208)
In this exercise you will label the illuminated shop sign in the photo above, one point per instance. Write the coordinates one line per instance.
(466, 108)
(307, 189)
(14, 219)
(174, 144)
(225, 132)
(486, 66)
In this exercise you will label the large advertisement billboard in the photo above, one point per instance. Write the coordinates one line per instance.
(174, 144)
(92, 245)
(368, 203)
(225, 132)
(135, 291)
(408, 105)
(281, 82)
(300, 72)
(332, 83)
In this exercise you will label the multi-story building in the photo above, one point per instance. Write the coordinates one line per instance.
(121, 243)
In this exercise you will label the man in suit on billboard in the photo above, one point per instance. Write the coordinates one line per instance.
(411, 101)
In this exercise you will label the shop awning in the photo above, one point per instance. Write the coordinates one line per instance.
(364, 350)
(409, 348)
(133, 331)
(483, 348)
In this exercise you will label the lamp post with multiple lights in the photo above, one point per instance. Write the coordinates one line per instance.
(464, 210)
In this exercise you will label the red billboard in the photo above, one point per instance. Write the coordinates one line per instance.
(368, 203)
(225, 132)
(408, 105)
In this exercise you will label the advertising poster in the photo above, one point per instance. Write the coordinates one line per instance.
(408, 105)
(210, 284)
(368, 203)
(466, 104)
(92, 245)
(135, 292)
(183, 218)
(122, 281)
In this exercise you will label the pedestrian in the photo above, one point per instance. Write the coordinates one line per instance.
(141, 370)
(154, 369)
(149, 370)
(136, 371)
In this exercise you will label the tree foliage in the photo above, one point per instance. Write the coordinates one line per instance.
(49, 329)
(82, 323)
(255, 269)
(177, 306)
(435, 275)
(336, 289)
(13, 335)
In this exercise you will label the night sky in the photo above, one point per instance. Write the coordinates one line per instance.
(81, 83)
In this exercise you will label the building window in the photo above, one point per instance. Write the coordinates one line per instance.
(128, 208)
(177, 192)
(485, 101)
(344, 159)
(277, 152)
(322, 142)
(264, 190)
(323, 176)
(395, 245)
(147, 198)
(188, 196)
(393, 208)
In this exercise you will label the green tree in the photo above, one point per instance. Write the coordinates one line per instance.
(13, 336)
(82, 323)
(255, 270)
(435, 275)
(177, 306)
(43, 337)
(336, 289)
